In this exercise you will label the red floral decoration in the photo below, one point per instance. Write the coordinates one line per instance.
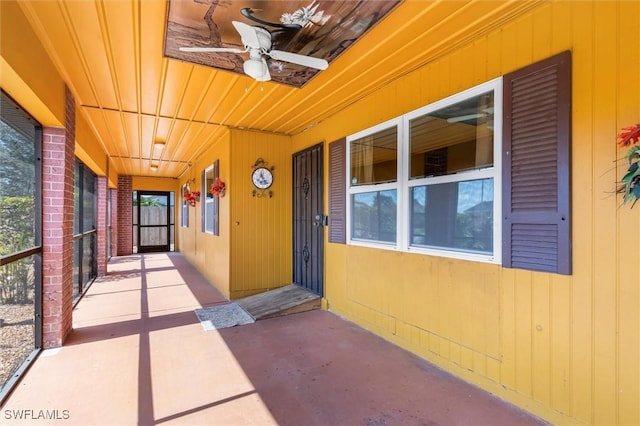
(191, 197)
(630, 183)
(629, 135)
(218, 188)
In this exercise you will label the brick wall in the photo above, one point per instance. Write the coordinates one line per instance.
(58, 163)
(101, 225)
(114, 222)
(125, 215)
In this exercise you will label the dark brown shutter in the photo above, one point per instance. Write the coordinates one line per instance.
(216, 201)
(337, 192)
(536, 172)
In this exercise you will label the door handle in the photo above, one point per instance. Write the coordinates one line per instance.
(321, 220)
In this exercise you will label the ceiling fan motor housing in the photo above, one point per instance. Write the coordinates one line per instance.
(264, 38)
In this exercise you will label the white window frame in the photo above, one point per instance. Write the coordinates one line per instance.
(375, 187)
(403, 184)
(184, 208)
(208, 203)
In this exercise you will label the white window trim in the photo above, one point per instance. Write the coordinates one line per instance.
(207, 202)
(184, 218)
(359, 189)
(403, 183)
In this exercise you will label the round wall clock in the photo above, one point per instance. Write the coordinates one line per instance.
(262, 178)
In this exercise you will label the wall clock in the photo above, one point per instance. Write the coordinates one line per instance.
(262, 178)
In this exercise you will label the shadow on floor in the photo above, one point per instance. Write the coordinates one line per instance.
(138, 355)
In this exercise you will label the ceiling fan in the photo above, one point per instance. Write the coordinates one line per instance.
(485, 113)
(257, 41)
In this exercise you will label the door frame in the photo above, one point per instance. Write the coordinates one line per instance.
(313, 223)
(161, 247)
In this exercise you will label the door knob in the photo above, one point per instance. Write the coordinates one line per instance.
(321, 220)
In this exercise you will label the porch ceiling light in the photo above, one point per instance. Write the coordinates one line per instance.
(158, 146)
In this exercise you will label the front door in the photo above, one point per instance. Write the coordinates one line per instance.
(154, 213)
(308, 219)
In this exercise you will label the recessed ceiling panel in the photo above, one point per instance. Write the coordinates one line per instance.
(320, 29)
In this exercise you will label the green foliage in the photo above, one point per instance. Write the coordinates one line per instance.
(16, 224)
(630, 184)
(16, 282)
(148, 201)
(16, 234)
(17, 206)
(17, 156)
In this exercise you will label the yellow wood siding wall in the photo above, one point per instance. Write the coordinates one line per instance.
(252, 254)
(564, 347)
(209, 253)
(260, 226)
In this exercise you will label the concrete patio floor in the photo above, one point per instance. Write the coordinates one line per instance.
(138, 355)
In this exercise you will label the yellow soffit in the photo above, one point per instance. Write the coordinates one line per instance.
(22, 93)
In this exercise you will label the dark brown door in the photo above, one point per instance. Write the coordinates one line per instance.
(308, 219)
(155, 221)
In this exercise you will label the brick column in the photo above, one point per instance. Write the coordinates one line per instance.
(114, 222)
(101, 225)
(58, 169)
(125, 215)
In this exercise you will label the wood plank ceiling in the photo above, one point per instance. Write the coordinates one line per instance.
(110, 53)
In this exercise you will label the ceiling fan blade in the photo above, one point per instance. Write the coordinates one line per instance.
(294, 58)
(247, 34)
(213, 49)
(464, 118)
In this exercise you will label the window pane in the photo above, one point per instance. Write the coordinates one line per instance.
(88, 259)
(374, 216)
(109, 193)
(172, 212)
(210, 201)
(374, 158)
(208, 223)
(208, 182)
(208, 208)
(17, 182)
(184, 212)
(77, 216)
(452, 139)
(109, 211)
(457, 215)
(88, 200)
(153, 236)
(77, 258)
(17, 314)
(135, 207)
(153, 210)
(20, 218)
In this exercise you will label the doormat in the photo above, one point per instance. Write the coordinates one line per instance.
(223, 316)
